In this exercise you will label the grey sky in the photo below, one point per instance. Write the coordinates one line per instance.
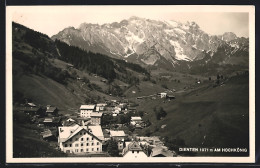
(213, 20)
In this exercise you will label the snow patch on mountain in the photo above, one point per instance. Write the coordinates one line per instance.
(171, 23)
(179, 51)
(180, 31)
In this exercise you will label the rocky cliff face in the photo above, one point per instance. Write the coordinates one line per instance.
(151, 42)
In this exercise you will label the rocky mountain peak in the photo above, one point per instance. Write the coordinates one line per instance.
(139, 37)
(229, 36)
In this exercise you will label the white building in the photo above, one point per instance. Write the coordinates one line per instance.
(79, 139)
(101, 106)
(136, 120)
(163, 95)
(133, 150)
(86, 110)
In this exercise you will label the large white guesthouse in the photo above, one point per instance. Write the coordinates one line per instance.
(80, 139)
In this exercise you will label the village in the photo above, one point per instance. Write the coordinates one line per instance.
(94, 130)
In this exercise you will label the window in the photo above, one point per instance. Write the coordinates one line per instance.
(92, 144)
(70, 145)
(66, 145)
(87, 149)
(76, 139)
(87, 144)
(84, 133)
(133, 151)
(92, 149)
(97, 143)
(80, 133)
(87, 138)
(82, 139)
(97, 149)
(92, 138)
(82, 144)
(76, 150)
(76, 145)
(81, 150)
(137, 151)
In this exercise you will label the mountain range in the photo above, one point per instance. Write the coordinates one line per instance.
(158, 43)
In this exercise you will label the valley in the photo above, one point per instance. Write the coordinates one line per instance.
(206, 101)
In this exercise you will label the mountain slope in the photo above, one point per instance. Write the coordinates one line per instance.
(52, 72)
(205, 116)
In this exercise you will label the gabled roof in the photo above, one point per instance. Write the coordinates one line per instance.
(117, 133)
(87, 107)
(132, 146)
(66, 133)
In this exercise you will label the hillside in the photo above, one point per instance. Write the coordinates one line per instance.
(206, 116)
(51, 72)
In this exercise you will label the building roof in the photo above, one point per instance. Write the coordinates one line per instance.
(117, 133)
(97, 131)
(149, 139)
(87, 107)
(161, 151)
(48, 120)
(136, 118)
(46, 133)
(66, 133)
(101, 104)
(31, 104)
(96, 114)
(51, 109)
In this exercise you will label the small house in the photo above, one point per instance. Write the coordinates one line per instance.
(47, 135)
(51, 111)
(101, 106)
(133, 150)
(51, 122)
(117, 135)
(163, 95)
(136, 120)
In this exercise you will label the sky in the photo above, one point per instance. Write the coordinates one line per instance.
(52, 19)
